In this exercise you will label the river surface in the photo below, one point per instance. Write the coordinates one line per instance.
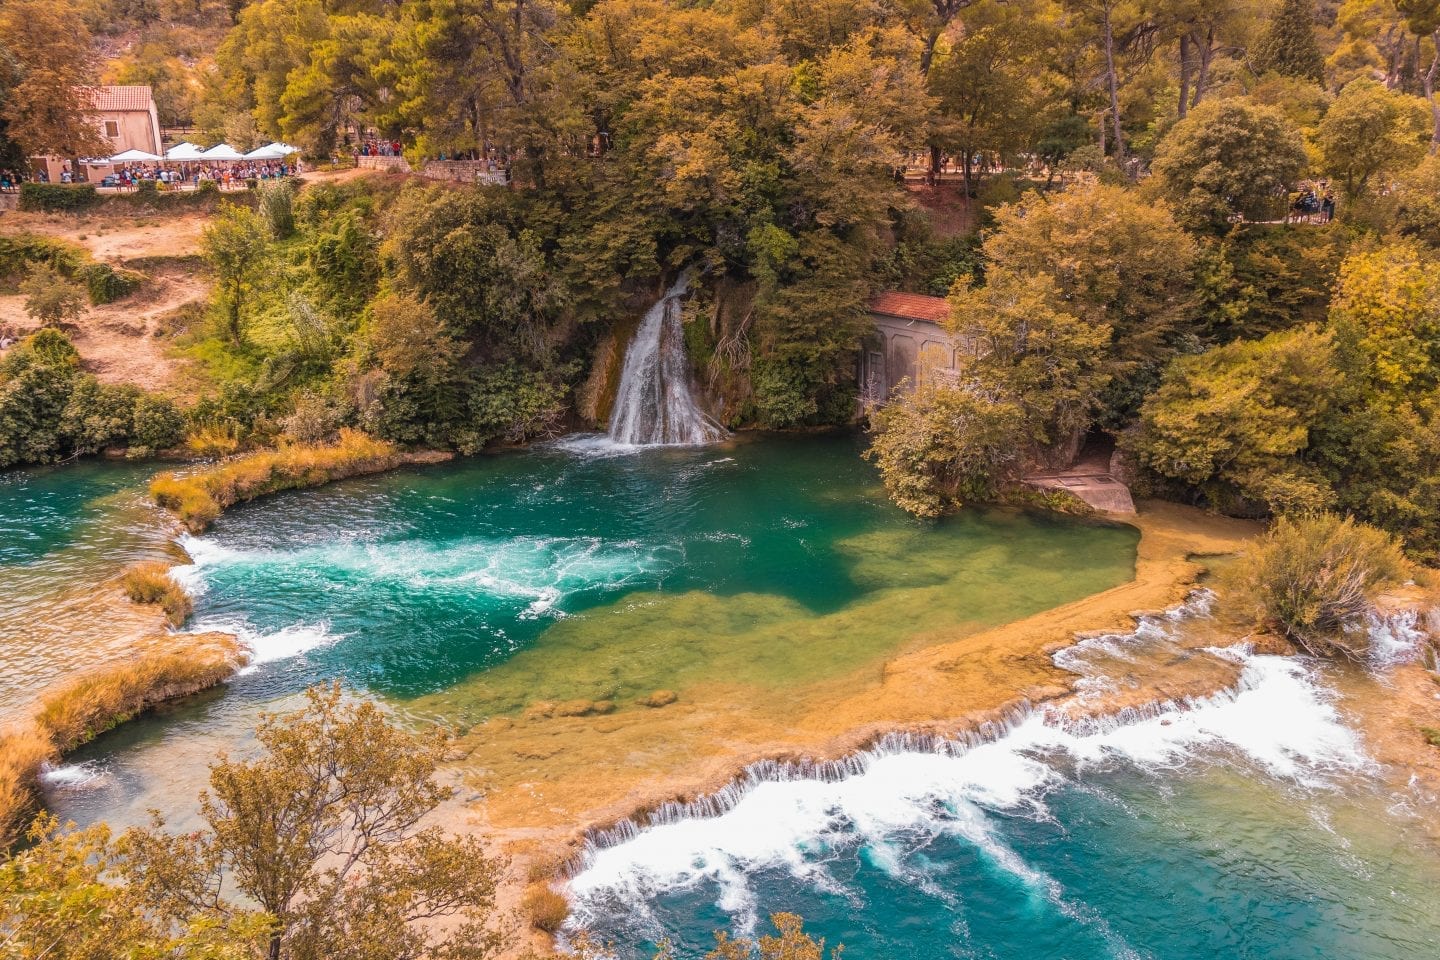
(1253, 826)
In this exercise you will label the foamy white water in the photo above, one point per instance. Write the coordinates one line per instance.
(1278, 718)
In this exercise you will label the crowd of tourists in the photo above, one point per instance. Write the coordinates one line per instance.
(227, 175)
(1314, 203)
(380, 148)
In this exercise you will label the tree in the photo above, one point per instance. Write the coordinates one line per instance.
(1120, 261)
(1289, 46)
(1370, 131)
(792, 943)
(59, 900)
(1232, 423)
(1418, 193)
(323, 832)
(51, 299)
(236, 244)
(941, 447)
(1314, 578)
(1027, 348)
(1227, 159)
(48, 107)
(989, 96)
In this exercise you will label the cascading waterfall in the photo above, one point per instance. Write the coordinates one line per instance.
(654, 405)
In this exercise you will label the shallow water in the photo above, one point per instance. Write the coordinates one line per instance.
(475, 589)
(63, 530)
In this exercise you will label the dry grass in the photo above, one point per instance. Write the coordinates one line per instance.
(546, 909)
(150, 583)
(199, 497)
(22, 752)
(92, 703)
(88, 705)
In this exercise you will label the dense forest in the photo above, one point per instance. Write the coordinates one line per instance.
(1111, 237)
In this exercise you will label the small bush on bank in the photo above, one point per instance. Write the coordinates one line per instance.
(22, 752)
(546, 909)
(151, 583)
(57, 197)
(51, 299)
(105, 284)
(1312, 577)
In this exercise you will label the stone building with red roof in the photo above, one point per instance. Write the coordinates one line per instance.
(127, 119)
(910, 345)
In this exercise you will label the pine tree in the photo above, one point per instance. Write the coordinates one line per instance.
(1289, 47)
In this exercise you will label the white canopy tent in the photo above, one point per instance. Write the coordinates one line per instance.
(134, 156)
(184, 151)
(266, 153)
(222, 151)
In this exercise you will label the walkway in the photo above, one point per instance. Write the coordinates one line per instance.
(1089, 479)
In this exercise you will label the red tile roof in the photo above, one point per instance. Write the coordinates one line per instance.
(911, 306)
(123, 98)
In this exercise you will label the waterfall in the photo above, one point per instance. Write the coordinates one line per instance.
(654, 404)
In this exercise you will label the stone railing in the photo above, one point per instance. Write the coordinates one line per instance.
(463, 171)
(390, 164)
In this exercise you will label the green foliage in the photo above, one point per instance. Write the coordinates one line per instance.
(105, 284)
(1232, 422)
(940, 448)
(1229, 159)
(1314, 578)
(277, 208)
(1120, 262)
(1369, 132)
(57, 197)
(50, 299)
(236, 246)
(1289, 46)
(19, 251)
(1418, 196)
(1262, 278)
(50, 409)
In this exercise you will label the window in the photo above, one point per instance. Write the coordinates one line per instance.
(112, 129)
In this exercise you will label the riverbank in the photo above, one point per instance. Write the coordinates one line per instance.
(163, 668)
(198, 497)
(545, 780)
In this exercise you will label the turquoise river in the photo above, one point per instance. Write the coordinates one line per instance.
(757, 574)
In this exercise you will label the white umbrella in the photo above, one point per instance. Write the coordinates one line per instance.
(134, 156)
(266, 153)
(184, 151)
(222, 151)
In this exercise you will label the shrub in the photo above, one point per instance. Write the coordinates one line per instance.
(942, 447)
(277, 208)
(18, 252)
(546, 908)
(151, 583)
(50, 299)
(105, 284)
(57, 197)
(1314, 578)
(156, 425)
(145, 187)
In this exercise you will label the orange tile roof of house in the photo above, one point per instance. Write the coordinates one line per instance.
(136, 97)
(911, 306)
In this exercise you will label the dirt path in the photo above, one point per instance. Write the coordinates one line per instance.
(128, 341)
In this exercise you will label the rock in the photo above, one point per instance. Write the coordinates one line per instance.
(660, 698)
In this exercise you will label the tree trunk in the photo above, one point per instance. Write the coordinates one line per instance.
(1114, 83)
(1184, 74)
(934, 165)
(1431, 76)
(927, 51)
(1207, 57)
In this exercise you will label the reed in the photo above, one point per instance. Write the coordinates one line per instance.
(546, 908)
(150, 583)
(85, 707)
(198, 497)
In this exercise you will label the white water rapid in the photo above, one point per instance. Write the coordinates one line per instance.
(654, 405)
